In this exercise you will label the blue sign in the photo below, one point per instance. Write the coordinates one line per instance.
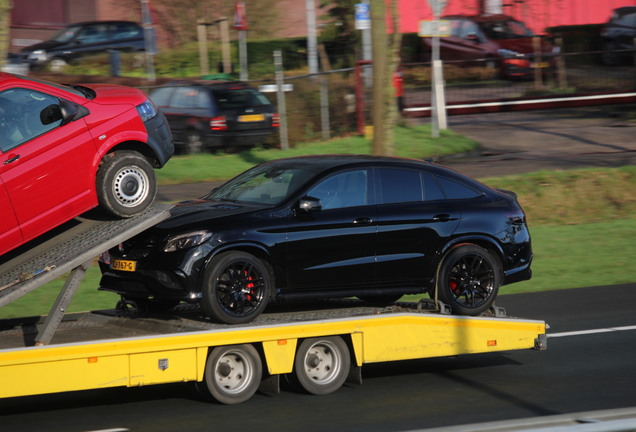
(362, 16)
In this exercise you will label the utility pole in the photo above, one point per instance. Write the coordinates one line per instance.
(379, 50)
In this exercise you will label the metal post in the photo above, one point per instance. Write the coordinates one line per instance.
(61, 304)
(367, 50)
(280, 97)
(243, 55)
(312, 43)
(324, 107)
(204, 62)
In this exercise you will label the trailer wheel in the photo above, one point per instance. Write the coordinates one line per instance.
(237, 288)
(321, 365)
(126, 184)
(232, 374)
(468, 279)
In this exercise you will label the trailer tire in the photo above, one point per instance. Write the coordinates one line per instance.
(236, 288)
(468, 279)
(232, 374)
(321, 365)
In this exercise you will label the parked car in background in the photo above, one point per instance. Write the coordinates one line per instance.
(205, 115)
(86, 38)
(496, 41)
(618, 34)
(67, 149)
(328, 226)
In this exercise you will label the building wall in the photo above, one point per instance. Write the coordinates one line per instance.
(537, 14)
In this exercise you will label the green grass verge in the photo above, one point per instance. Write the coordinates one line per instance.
(415, 142)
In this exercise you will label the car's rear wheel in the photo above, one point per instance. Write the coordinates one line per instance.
(126, 183)
(468, 279)
(193, 142)
(237, 287)
(321, 365)
(232, 374)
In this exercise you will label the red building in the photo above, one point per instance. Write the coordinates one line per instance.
(537, 14)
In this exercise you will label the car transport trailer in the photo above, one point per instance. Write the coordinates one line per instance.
(318, 348)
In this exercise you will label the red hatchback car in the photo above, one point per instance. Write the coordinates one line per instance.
(497, 41)
(65, 149)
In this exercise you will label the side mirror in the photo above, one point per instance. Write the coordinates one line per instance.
(309, 204)
(71, 111)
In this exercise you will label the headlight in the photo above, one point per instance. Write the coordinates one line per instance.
(39, 55)
(147, 110)
(508, 53)
(185, 241)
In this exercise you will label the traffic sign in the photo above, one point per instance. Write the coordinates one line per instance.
(362, 16)
(434, 28)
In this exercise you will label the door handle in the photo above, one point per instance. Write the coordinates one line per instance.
(13, 159)
(441, 217)
(362, 221)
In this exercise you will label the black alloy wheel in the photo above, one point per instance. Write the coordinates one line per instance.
(237, 288)
(468, 279)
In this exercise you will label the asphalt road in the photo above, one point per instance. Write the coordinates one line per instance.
(581, 371)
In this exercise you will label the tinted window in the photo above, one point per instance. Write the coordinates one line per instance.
(126, 31)
(184, 97)
(403, 185)
(161, 96)
(346, 189)
(455, 190)
(93, 34)
(239, 98)
(26, 114)
(399, 185)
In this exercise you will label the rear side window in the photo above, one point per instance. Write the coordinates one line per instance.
(189, 97)
(404, 185)
(227, 99)
(126, 31)
(456, 190)
(161, 96)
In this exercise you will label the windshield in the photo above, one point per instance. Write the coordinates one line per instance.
(270, 183)
(66, 34)
(505, 30)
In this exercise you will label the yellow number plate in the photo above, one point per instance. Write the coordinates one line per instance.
(124, 265)
(541, 65)
(251, 118)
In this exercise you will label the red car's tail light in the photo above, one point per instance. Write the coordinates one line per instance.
(218, 123)
(275, 120)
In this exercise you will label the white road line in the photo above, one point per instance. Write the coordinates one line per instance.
(110, 430)
(595, 331)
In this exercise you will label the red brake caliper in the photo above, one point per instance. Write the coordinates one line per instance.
(249, 286)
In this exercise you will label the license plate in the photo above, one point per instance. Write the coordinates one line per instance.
(124, 265)
(541, 65)
(251, 118)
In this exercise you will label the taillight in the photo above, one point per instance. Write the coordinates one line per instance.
(218, 123)
(275, 120)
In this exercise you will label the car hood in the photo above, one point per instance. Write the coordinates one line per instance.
(110, 94)
(199, 212)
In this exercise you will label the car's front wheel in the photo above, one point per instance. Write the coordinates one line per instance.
(468, 279)
(126, 183)
(237, 288)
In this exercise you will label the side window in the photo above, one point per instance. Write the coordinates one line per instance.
(93, 34)
(184, 97)
(26, 114)
(346, 189)
(126, 31)
(432, 190)
(455, 190)
(399, 185)
(161, 96)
